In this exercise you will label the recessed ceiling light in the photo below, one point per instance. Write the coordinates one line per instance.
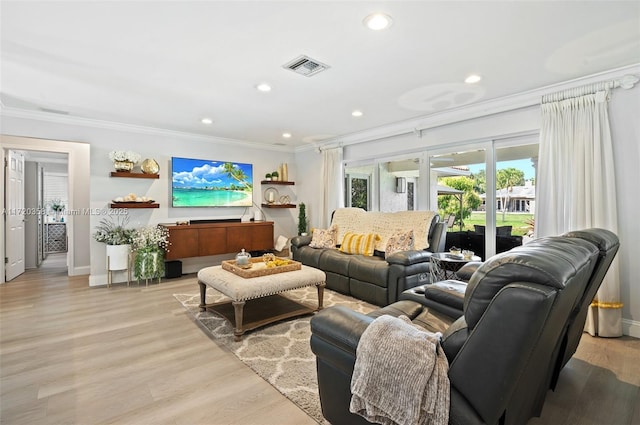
(472, 79)
(357, 113)
(377, 21)
(286, 135)
(207, 121)
(264, 87)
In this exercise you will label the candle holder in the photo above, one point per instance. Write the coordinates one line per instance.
(271, 195)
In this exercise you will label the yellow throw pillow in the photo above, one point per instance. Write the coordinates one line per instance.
(359, 243)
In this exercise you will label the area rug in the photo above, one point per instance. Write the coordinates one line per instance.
(279, 353)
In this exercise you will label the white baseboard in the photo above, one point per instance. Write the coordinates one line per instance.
(99, 280)
(80, 271)
(631, 328)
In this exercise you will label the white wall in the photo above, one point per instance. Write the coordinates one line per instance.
(624, 110)
(309, 164)
(483, 128)
(161, 146)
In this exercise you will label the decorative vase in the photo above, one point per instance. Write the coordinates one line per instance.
(150, 166)
(123, 165)
(285, 172)
(118, 257)
(243, 259)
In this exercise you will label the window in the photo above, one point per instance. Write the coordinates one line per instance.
(516, 188)
(410, 196)
(358, 186)
(504, 201)
(359, 191)
(460, 178)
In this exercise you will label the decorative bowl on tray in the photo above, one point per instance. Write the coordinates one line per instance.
(260, 268)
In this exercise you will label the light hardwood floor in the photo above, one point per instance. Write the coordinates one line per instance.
(71, 354)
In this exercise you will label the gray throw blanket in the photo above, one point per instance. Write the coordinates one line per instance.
(400, 375)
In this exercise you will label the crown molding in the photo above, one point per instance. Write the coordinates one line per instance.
(129, 128)
(477, 110)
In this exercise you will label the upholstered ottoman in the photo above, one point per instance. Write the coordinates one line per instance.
(260, 293)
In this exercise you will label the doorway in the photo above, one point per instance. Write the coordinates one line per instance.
(43, 193)
(77, 225)
(50, 173)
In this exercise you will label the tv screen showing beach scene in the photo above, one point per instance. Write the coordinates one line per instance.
(206, 183)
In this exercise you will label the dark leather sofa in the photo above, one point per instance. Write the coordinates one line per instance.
(523, 312)
(372, 278)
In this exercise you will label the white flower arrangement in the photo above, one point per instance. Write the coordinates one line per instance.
(129, 156)
(151, 238)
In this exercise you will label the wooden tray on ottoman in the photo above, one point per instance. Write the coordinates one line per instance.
(259, 268)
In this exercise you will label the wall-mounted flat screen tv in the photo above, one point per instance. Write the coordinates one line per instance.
(206, 183)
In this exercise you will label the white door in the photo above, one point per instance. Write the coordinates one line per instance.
(14, 203)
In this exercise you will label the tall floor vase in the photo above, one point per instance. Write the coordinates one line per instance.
(118, 259)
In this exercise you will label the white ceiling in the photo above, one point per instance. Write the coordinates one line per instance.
(168, 64)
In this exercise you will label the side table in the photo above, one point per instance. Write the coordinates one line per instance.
(445, 265)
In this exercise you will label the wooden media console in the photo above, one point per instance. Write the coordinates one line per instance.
(202, 239)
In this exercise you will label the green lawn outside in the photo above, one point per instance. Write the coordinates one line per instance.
(517, 220)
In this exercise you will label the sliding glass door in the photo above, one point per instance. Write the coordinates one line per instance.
(515, 194)
(457, 183)
(486, 193)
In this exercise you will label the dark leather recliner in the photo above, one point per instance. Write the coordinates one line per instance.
(517, 312)
(608, 244)
(447, 297)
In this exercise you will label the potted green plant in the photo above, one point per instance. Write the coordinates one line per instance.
(149, 244)
(118, 238)
(267, 177)
(274, 175)
(302, 219)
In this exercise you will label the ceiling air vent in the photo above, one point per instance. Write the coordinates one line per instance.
(306, 66)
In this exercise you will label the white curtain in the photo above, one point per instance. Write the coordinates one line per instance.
(576, 188)
(332, 183)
